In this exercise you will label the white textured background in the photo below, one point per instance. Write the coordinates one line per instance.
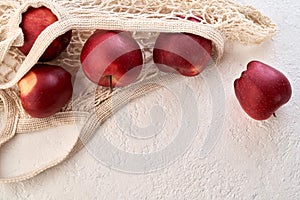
(250, 159)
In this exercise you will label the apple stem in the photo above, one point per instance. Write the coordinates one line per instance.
(274, 114)
(111, 84)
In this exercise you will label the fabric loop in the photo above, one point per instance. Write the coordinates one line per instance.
(11, 116)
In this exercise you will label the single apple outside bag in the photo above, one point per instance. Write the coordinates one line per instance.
(261, 90)
(144, 20)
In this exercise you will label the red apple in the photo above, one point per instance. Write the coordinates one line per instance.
(261, 90)
(45, 89)
(34, 21)
(185, 53)
(111, 58)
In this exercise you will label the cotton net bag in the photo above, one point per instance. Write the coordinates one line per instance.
(221, 21)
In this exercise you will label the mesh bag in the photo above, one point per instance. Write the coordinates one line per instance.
(221, 20)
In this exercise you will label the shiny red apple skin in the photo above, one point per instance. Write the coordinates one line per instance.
(111, 53)
(34, 21)
(183, 53)
(45, 89)
(261, 90)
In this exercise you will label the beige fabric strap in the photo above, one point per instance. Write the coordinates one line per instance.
(10, 117)
(91, 121)
(28, 125)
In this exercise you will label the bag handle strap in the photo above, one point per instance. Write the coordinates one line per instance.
(94, 120)
(11, 116)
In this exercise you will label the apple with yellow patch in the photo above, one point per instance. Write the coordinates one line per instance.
(45, 89)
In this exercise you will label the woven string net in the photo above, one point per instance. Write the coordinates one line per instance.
(220, 21)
